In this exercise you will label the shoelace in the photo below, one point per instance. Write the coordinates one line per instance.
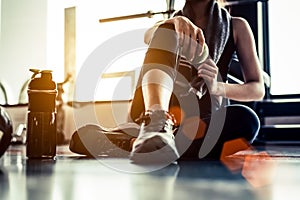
(160, 121)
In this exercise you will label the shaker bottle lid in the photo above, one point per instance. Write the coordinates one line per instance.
(46, 71)
(35, 70)
(42, 83)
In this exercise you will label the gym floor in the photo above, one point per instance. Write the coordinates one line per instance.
(268, 172)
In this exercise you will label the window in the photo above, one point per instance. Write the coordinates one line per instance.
(118, 80)
(89, 34)
(284, 31)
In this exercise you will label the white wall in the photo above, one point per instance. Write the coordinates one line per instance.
(32, 36)
(23, 42)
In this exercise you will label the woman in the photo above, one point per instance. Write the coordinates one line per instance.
(177, 70)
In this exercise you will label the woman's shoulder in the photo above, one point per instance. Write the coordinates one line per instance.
(239, 22)
(240, 27)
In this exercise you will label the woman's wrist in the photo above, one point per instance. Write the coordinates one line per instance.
(220, 90)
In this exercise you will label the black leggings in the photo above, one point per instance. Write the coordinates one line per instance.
(240, 122)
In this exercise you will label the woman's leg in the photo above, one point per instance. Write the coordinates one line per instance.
(157, 87)
(156, 142)
(155, 83)
(240, 122)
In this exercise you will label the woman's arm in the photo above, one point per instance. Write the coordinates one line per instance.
(253, 87)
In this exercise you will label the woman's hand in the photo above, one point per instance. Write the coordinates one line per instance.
(190, 36)
(209, 71)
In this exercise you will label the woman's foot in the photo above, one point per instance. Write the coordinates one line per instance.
(156, 140)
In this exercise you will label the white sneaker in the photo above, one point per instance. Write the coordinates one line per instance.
(156, 141)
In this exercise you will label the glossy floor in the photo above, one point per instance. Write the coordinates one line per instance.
(268, 173)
